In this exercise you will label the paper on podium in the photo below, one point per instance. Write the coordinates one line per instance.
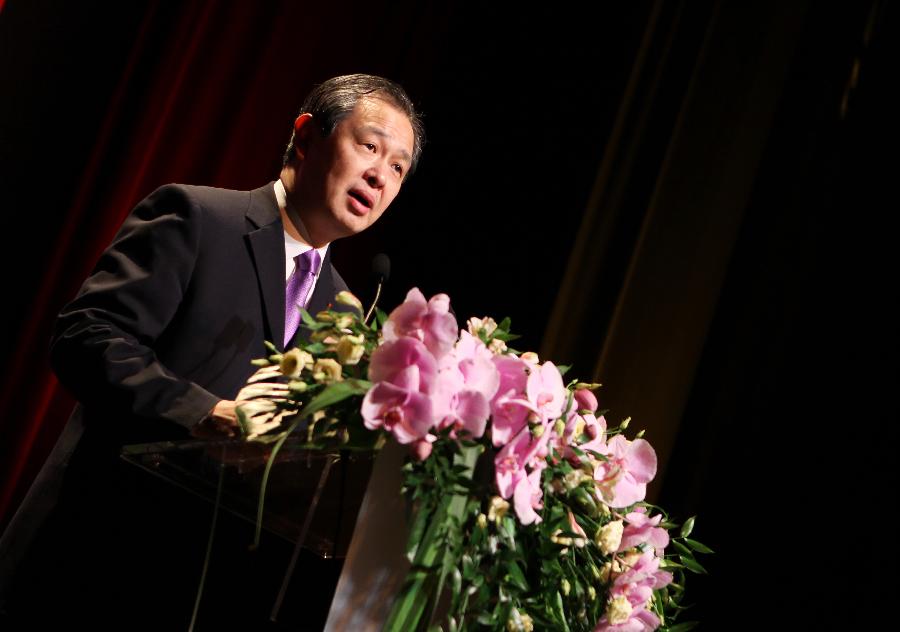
(376, 562)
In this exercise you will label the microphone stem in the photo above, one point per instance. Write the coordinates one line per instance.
(375, 302)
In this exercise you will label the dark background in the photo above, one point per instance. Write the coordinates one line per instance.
(691, 202)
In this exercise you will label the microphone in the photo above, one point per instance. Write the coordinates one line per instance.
(381, 270)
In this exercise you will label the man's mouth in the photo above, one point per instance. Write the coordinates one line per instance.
(362, 198)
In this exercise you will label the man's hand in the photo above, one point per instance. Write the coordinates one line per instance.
(221, 423)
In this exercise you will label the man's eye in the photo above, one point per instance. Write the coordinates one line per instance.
(398, 169)
(369, 146)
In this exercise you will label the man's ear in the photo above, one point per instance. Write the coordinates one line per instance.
(303, 130)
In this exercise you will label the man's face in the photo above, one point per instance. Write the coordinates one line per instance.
(346, 180)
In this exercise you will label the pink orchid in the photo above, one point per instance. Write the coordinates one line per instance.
(467, 380)
(429, 322)
(524, 451)
(546, 391)
(623, 478)
(405, 363)
(403, 412)
(636, 585)
(640, 620)
(509, 464)
(640, 529)
(527, 497)
(643, 573)
(510, 408)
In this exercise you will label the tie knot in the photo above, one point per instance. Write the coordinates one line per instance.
(308, 262)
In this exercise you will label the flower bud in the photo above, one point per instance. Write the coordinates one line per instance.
(347, 298)
(530, 357)
(586, 400)
(559, 426)
(566, 587)
(421, 449)
(625, 423)
(481, 521)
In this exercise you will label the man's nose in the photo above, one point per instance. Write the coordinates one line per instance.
(375, 176)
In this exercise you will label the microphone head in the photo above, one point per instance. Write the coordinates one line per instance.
(381, 267)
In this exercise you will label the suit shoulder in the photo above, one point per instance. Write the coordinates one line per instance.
(202, 195)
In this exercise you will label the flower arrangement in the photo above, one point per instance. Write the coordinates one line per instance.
(528, 509)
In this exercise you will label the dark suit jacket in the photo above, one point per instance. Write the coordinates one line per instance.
(165, 326)
(178, 306)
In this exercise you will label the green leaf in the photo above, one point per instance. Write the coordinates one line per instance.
(309, 321)
(504, 324)
(585, 501)
(334, 393)
(560, 611)
(687, 527)
(697, 546)
(682, 548)
(380, 316)
(517, 577)
(692, 564)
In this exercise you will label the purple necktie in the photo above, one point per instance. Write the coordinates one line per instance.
(296, 295)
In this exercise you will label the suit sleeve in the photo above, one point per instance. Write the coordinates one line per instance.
(103, 344)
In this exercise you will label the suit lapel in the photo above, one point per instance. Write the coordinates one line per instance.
(266, 241)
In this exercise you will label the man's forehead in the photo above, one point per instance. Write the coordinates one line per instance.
(382, 117)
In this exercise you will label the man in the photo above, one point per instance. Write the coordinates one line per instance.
(159, 341)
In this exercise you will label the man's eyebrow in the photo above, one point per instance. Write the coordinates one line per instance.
(380, 132)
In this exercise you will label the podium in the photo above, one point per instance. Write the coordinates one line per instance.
(312, 497)
(337, 504)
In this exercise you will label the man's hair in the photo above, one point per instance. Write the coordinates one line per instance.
(332, 101)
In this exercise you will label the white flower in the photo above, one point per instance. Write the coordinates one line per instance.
(497, 509)
(609, 537)
(327, 370)
(619, 610)
(350, 349)
(497, 346)
(486, 325)
(294, 361)
(519, 622)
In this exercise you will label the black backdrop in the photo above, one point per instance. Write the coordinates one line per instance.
(784, 445)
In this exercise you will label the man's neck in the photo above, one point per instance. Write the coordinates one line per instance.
(290, 217)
